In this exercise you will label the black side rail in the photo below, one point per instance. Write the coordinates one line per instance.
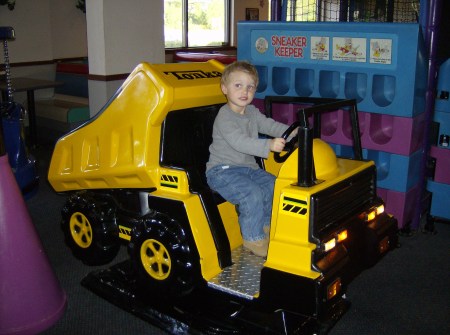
(316, 106)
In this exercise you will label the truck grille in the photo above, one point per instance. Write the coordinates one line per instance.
(332, 206)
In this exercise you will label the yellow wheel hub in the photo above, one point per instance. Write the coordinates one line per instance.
(155, 259)
(81, 230)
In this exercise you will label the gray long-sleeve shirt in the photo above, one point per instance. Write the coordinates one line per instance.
(235, 137)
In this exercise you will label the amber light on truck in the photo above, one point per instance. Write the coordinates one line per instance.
(334, 288)
(342, 235)
(371, 215)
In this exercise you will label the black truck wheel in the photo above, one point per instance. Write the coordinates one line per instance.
(161, 257)
(90, 229)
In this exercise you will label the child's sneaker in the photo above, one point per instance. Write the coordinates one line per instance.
(259, 248)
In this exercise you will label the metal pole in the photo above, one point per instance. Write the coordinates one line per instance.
(306, 173)
(343, 10)
(275, 10)
(2, 139)
(390, 11)
(284, 6)
(432, 30)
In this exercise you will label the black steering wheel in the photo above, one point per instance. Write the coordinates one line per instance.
(290, 146)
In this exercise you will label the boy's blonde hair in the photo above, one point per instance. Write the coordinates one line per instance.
(239, 66)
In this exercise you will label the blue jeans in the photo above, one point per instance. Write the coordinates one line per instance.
(250, 189)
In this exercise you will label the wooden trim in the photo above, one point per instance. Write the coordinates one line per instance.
(43, 62)
(94, 77)
(23, 64)
(171, 51)
(110, 77)
(70, 59)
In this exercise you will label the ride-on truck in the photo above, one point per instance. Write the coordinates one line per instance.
(135, 174)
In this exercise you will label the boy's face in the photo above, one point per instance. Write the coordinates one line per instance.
(240, 89)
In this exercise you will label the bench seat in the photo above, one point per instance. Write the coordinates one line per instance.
(69, 106)
(62, 113)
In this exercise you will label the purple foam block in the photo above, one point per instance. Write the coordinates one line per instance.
(442, 169)
(31, 297)
(381, 132)
(393, 134)
(400, 204)
(284, 113)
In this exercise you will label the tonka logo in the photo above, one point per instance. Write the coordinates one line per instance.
(192, 75)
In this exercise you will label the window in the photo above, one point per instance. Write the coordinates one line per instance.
(196, 23)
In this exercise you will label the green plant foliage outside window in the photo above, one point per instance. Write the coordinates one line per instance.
(81, 5)
(195, 23)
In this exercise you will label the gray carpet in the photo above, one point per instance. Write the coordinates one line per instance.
(408, 292)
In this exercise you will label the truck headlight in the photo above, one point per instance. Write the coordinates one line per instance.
(330, 244)
(380, 209)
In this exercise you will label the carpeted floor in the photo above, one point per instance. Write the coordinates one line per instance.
(408, 292)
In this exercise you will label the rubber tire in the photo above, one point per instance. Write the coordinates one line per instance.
(174, 267)
(98, 243)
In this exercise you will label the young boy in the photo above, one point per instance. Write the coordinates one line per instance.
(232, 170)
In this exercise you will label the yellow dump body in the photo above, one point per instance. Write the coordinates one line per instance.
(119, 147)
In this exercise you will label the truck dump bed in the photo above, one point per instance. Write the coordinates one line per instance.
(119, 147)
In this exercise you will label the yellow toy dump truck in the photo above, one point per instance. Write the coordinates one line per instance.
(135, 174)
